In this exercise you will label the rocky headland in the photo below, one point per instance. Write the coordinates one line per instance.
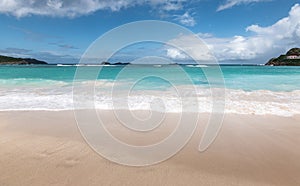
(6, 60)
(291, 58)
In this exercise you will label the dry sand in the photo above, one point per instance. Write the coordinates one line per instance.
(45, 148)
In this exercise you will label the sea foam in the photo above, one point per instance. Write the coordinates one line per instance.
(55, 97)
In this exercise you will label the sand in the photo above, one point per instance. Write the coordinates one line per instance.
(46, 148)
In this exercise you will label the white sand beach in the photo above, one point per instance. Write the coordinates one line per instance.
(46, 148)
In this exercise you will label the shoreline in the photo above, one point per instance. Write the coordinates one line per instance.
(46, 148)
(291, 115)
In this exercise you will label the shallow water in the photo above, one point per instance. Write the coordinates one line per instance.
(249, 89)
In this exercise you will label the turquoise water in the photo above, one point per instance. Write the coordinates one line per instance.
(249, 89)
(246, 78)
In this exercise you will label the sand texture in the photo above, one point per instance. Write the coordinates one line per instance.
(39, 148)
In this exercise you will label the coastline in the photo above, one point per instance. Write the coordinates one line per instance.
(46, 148)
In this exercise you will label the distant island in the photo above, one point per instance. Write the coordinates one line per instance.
(117, 63)
(6, 60)
(291, 58)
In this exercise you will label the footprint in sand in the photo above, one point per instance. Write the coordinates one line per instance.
(69, 162)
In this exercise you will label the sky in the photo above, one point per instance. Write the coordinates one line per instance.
(236, 31)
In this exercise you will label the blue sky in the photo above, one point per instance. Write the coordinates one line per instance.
(237, 31)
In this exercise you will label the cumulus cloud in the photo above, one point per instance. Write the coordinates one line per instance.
(73, 8)
(176, 54)
(232, 3)
(186, 19)
(57, 7)
(189, 46)
(265, 42)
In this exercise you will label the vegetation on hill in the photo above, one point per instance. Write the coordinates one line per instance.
(6, 60)
(286, 60)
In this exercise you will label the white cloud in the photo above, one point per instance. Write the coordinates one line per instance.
(232, 3)
(186, 19)
(168, 5)
(265, 42)
(73, 8)
(58, 7)
(189, 44)
(174, 53)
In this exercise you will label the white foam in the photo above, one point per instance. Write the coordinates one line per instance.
(197, 66)
(59, 97)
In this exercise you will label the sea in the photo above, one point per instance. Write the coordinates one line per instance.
(257, 90)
